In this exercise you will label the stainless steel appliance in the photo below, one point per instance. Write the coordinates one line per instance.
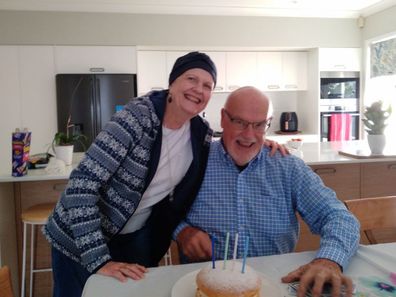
(90, 100)
(339, 94)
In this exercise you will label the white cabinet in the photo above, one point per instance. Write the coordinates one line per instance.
(340, 59)
(152, 71)
(294, 70)
(84, 59)
(219, 58)
(10, 102)
(27, 95)
(241, 70)
(38, 94)
(269, 71)
(154, 68)
(282, 71)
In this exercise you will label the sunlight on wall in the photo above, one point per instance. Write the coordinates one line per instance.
(383, 88)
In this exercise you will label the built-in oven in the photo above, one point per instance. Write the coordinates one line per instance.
(346, 127)
(339, 105)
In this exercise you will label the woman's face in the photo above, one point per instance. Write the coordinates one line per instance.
(191, 91)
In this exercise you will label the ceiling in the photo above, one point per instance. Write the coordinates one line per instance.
(281, 8)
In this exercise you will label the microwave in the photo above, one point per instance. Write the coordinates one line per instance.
(339, 85)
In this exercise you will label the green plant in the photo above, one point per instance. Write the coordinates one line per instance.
(375, 118)
(69, 138)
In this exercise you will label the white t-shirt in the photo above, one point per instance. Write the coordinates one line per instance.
(175, 159)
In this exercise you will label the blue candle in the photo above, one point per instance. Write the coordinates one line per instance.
(213, 253)
(245, 252)
(226, 250)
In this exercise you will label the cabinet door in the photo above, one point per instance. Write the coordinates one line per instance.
(10, 117)
(344, 179)
(378, 179)
(219, 58)
(37, 79)
(339, 59)
(171, 57)
(241, 70)
(85, 59)
(269, 71)
(151, 71)
(294, 70)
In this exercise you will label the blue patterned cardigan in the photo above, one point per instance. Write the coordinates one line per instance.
(106, 187)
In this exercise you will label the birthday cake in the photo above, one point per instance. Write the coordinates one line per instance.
(228, 282)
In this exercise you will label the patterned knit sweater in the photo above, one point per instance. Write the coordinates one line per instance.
(106, 187)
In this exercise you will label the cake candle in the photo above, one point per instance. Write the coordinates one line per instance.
(245, 252)
(226, 250)
(213, 253)
(235, 250)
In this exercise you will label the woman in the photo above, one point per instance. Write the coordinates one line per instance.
(135, 183)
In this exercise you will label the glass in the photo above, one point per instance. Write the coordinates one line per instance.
(242, 124)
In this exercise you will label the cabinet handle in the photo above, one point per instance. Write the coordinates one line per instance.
(339, 66)
(59, 187)
(290, 86)
(325, 171)
(233, 87)
(273, 87)
(218, 88)
(392, 166)
(157, 88)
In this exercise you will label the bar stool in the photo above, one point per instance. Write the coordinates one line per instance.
(35, 215)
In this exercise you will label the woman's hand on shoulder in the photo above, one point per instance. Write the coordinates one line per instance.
(275, 146)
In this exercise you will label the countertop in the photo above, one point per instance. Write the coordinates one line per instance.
(313, 153)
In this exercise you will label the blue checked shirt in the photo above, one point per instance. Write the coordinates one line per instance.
(261, 202)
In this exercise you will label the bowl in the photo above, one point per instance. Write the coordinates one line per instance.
(295, 143)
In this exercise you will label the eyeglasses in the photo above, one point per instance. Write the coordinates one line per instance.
(242, 124)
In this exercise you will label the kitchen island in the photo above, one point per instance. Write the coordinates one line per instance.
(351, 178)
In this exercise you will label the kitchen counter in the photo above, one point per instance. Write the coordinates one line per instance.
(313, 153)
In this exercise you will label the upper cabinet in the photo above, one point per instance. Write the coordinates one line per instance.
(152, 71)
(268, 71)
(340, 59)
(85, 59)
(282, 71)
(294, 70)
(241, 70)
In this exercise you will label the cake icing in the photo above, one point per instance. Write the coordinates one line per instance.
(228, 282)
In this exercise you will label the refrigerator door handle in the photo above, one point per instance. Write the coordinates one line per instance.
(98, 118)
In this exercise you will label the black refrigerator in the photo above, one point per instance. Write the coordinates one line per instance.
(89, 100)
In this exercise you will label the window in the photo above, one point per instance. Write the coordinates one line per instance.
(381, 78)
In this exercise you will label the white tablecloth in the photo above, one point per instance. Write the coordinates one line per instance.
(369, 264)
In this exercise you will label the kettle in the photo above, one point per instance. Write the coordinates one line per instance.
(288, 122)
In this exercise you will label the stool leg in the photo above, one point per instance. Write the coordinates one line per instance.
(23, 280)
(31, 261)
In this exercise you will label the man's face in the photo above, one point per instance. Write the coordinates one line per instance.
(244, 123)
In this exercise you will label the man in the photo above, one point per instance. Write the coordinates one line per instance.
(246, 192)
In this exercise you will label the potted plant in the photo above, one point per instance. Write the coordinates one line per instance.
(375, 121)
(63, 143)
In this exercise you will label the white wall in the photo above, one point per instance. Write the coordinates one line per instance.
(128, 29)
(378, 24)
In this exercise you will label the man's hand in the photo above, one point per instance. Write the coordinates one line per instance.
(275, 147)
(316, 274)
(122, 271)
(194, 244)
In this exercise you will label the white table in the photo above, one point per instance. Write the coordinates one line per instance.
(370, 261)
